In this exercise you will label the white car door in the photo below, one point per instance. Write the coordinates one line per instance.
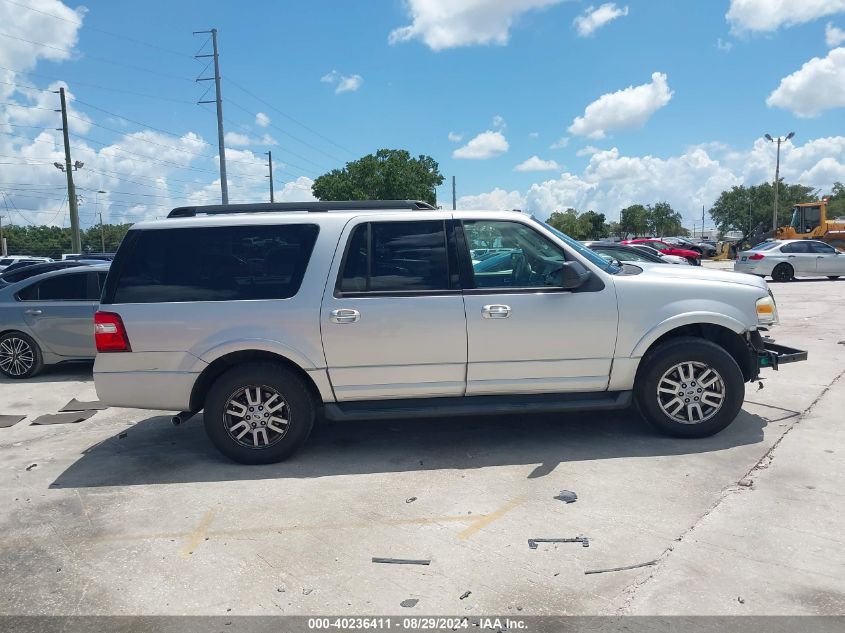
(799, 255)
(393, 323)
(829, 261)
(524, 335)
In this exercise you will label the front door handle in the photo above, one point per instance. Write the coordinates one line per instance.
(496, 311)
(32, 311)
(345, 315)
(791, 257)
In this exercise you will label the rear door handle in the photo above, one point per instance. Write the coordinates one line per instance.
(345, 315)
(496, 311)
(790, 256)
(32, 311)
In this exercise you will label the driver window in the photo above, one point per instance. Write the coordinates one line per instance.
(510, 255)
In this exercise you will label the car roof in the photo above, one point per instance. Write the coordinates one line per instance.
(104, 267)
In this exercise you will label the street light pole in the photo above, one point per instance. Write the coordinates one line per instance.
(100, 213)
(779, 140)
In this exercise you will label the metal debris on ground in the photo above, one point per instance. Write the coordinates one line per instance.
(567, 496)
(31, 466)
(410, 499)
(76, 405)
(465, 595)
(402, 561)
(10, 420)
(532, 542)
(410, 602)
(63, 418)
(602, 571)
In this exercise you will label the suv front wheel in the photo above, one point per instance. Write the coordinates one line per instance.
(258, 413)
(690, 387)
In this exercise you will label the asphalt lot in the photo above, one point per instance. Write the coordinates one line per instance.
(157, 522)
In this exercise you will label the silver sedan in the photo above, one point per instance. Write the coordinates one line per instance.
(49, 319)
(786, 259)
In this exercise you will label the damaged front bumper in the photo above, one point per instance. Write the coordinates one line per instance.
(765, 353)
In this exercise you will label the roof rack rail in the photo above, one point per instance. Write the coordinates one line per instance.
(311, 207)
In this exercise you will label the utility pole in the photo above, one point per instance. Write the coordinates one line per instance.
(75, 238)
(224, 184)
(779, 140)
(702, 221)
(270, 166)
(454, 198)
(100, 213)
(2, 239)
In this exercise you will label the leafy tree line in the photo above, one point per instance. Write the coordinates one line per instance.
(52, 241)
(637, 220)
(742, 208)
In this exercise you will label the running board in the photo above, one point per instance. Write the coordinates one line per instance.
(476, 405)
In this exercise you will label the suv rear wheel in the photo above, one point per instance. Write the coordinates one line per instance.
(689, 387)
(258, 413)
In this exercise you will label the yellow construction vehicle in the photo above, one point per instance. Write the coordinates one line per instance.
(810, 221)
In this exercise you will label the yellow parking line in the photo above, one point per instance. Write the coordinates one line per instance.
(486, 519)
(196, 537)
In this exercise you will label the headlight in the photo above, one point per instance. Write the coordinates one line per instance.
(767, 311)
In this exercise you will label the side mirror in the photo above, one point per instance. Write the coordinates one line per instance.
(569, 276)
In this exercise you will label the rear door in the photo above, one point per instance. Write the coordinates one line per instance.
(59, 312)
(800, 257)
(392, 319)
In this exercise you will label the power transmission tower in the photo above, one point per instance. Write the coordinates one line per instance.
(270, 166)
(224, 185)
(75, 238)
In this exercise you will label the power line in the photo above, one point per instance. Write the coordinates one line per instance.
(92, 28)
(287, 116)
(102, 60)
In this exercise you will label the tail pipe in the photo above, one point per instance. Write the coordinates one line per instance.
(182, 416)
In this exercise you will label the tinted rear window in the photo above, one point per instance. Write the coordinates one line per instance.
(215, 264)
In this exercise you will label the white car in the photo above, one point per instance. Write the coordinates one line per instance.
(786, 259)
(5, 262)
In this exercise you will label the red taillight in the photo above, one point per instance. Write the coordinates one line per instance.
(756, 257)
(109, 333)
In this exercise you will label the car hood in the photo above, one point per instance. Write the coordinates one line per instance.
(703, 274)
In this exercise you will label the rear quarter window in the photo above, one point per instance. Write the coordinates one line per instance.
(227, 263)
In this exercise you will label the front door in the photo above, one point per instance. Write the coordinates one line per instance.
(524, 336)
(59, 312)
(392, 319)
(800, 257)
(829, 261)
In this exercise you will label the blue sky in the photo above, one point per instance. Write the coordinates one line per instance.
(337, 80)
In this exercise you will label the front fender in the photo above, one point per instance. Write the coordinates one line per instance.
(688, 318)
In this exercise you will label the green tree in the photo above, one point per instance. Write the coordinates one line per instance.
(389, 174)
(53, 241)
(836, 201)
(598, 225)
(663, 220)
(743, 208)
(633, 221)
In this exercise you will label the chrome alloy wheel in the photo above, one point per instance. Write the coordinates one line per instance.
(16, 356)
(691, 392)
(256, 416)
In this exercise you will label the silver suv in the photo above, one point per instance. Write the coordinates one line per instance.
(268, 316)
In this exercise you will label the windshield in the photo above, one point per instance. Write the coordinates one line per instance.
(582, 250)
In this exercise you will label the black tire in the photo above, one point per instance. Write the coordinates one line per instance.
(783, 272)
(694, 261)
(24, 356)
(833, 276)
(662, 360)
(299, 409)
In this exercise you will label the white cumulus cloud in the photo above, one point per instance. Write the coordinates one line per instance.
(488, 144)
(499, 122)
(442, 24)
(562, 142)
(627, 108)
(535, 163)
(496, 200)
(454, 137)
(833, 36)
(594, 18)
(770, 15)
(261, 119)
(817, 86)
(342, 83)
